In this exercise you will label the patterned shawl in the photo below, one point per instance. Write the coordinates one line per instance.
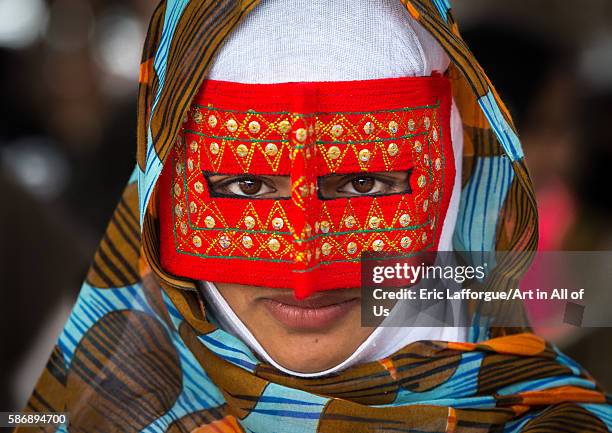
(137, 353)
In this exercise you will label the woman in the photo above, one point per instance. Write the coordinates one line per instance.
(223, 295)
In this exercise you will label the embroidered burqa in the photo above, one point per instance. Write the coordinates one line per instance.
(138, 353)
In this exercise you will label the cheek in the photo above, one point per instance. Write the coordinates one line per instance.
(240, 298)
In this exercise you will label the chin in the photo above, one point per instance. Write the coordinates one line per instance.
(309, 356)
(307, 364)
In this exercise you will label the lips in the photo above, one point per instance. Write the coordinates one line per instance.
(314, 313)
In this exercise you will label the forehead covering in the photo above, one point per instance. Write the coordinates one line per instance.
(307, 132)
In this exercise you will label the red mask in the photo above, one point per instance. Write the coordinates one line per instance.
(286, 185)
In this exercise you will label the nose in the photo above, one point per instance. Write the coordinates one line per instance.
(305, 205)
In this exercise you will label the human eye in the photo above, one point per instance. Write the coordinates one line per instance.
(362, 184)
(247, 186)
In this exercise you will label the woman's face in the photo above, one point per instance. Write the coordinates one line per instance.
(307, 336)
(325, 329)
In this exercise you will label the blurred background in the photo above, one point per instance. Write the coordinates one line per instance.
(68, 83)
